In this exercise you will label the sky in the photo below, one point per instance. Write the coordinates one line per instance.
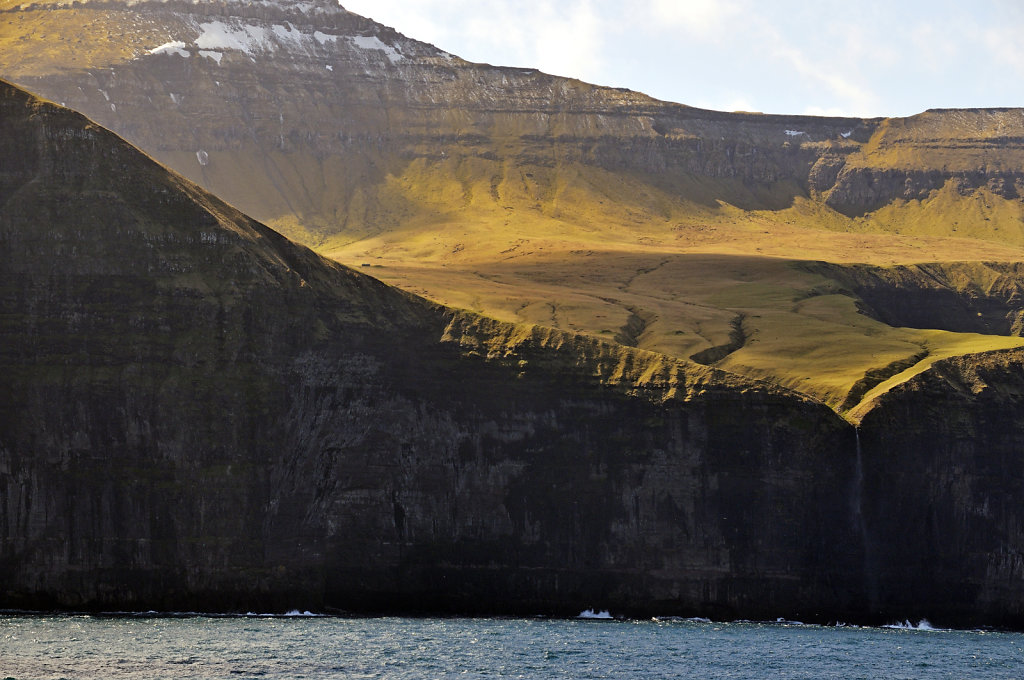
(858, 58)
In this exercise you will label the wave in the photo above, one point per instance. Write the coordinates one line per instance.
(680, 619)
(603, 615)
(154, 614)
(923, 624)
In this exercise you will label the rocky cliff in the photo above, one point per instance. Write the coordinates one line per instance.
(317, 120)
(942, 481)
(198, 414)
(334, 128)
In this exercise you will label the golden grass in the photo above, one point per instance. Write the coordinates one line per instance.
(614, 257)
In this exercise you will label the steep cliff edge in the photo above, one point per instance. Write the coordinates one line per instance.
(200, 415)
(943, 477)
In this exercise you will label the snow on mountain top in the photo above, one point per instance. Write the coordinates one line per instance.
(372, 42)
(254, 39)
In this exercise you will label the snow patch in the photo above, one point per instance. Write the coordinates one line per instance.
(173, 47)
(203, 158)
(288, 34)
(211, 54)
(795, 133)
(105, 95)
(176, 98)
(216, 35)
(846, 135)
(324, 38)
(329, 67)
(372, 42)
(254, 39)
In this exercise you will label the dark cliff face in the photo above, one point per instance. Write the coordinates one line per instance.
(200, 415)
(943, 481)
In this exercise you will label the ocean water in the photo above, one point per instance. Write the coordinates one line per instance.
(39, 647)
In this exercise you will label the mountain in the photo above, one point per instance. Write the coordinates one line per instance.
(200, 415)
(538, 199)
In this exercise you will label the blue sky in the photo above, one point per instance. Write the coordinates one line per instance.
(866, 58)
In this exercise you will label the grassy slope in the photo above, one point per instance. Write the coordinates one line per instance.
(613, 257)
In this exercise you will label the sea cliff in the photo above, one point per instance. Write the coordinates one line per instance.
(200, 415)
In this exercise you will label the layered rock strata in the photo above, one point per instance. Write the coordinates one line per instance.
(201, 415)
(324, 123)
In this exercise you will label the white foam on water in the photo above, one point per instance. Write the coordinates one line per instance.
(591, 614)
(923, 624)
(681, 619)
(788, 622)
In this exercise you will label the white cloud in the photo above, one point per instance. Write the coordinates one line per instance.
(564, 38)
(854, 98)
(570, 43)
(1004, 45)
(700, 18)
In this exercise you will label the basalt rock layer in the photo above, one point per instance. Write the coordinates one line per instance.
(201, 415)
(198, 414)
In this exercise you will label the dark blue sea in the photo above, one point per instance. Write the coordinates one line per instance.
(72, 647)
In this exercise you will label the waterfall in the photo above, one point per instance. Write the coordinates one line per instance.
(859, 522)
(858, 489)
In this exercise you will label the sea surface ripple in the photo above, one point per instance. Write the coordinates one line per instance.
(72, 647)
